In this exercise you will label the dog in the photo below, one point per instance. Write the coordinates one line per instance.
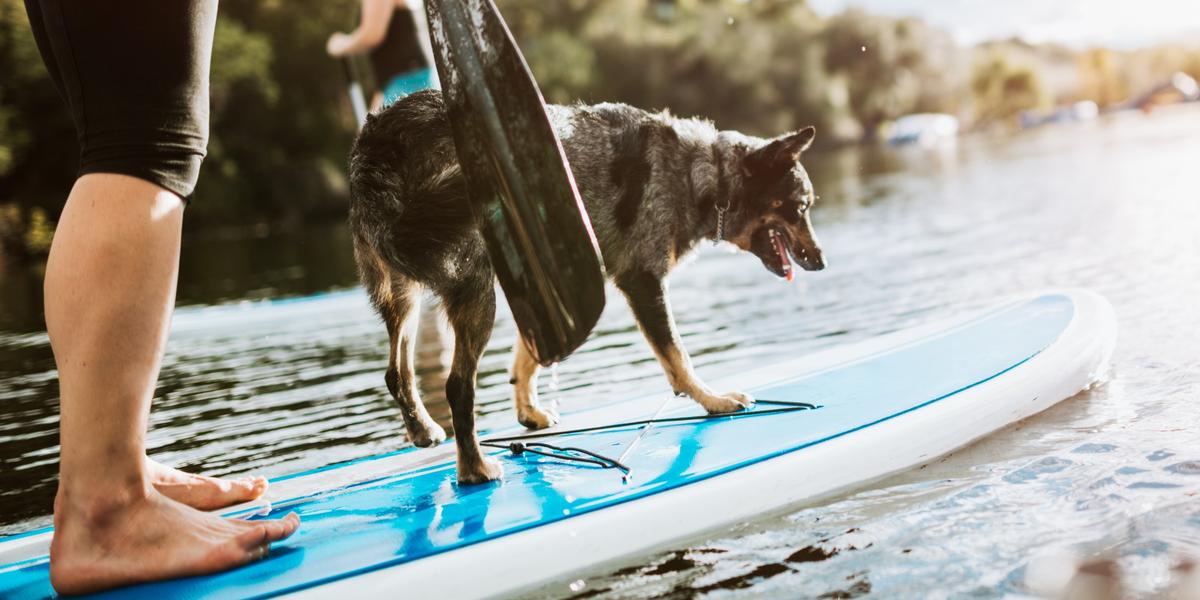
(654, 187)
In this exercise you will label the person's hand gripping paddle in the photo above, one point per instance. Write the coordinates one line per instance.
(522, 191)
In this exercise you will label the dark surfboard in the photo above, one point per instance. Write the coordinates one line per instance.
(522, 191)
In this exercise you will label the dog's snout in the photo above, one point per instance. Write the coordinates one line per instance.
(810, 257)
(807, 249)
(817, 262)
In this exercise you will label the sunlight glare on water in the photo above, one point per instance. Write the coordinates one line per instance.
(1113, 473)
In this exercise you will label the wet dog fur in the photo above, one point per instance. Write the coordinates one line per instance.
(653, 186)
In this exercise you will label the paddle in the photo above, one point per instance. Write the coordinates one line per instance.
(357, 100)
(522, 191)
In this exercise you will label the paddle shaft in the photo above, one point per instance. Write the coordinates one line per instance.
(358, 101)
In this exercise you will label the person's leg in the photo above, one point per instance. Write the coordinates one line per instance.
(110, 288)
(134, 75)
(139, 100)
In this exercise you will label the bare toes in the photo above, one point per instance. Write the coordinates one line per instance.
(207, 493)
(153, 538)
(262, 533)
(244, 489)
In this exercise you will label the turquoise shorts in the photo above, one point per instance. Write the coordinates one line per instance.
(407, 83)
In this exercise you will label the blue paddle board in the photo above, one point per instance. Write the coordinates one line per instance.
(402, 523)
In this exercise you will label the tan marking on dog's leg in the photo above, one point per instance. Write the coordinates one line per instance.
(530, 412)
(445, 337)
(678, 367)
(383, 286)
(647, 296)
(423, 431)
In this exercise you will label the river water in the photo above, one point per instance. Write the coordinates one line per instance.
(1111, 475)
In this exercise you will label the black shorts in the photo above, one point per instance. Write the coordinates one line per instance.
(134, 74)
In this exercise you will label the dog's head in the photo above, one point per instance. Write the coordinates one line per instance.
(772, 211)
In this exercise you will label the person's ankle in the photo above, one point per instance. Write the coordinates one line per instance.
(96, 505)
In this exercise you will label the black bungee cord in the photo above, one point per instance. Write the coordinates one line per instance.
(519, 444)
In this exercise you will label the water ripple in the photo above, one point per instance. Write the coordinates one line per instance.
(277, 387)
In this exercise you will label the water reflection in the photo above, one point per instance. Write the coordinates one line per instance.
(1109, 205)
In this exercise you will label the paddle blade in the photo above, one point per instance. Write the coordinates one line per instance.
(522, 191)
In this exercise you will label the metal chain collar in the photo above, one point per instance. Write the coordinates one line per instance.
(721, 222)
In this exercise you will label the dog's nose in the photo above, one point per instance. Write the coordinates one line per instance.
(817, 262)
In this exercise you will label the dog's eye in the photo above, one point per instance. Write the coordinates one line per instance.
(777, 203)
(808, 202)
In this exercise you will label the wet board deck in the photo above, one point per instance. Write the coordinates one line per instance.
(400, 522)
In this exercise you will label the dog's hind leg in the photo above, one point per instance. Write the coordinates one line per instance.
(401, 314)
(471, 308)
(530, 412)
(397, 300)
(647, 296)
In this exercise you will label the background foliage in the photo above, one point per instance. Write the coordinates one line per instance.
(281, 124)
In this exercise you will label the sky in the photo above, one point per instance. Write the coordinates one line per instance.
(1114, 23)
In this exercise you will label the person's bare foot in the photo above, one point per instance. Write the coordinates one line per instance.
(201, 491)
(112, 542)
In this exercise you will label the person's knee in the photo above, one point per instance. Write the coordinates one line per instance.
(135, 76)
(170, 159)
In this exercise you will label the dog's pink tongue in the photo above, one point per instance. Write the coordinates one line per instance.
(784, 258)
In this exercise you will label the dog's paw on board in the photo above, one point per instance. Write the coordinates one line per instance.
(537, 417)
(725, 403)
(482, 471)
(425, 433)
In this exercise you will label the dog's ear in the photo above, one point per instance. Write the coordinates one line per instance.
(781, 153)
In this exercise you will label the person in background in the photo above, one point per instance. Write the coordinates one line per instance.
(134, 76)
(388, 31)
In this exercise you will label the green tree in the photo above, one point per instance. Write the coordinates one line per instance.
(280, 126)
(1002, 88)
(747, 65)
(891, 66)
(1102, 78)
(37, 138)
(278, 139)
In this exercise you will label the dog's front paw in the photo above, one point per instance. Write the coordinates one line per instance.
(425, 433)
(537, 417)
(482, 471)
(726, 403)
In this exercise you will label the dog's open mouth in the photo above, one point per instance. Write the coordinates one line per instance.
(774, 248)
(783, 266)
